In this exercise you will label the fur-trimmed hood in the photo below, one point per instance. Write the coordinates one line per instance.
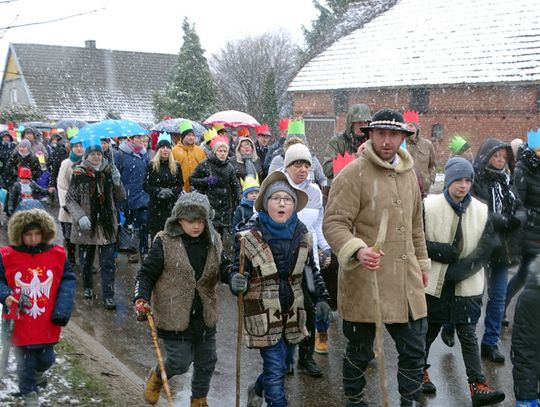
(192, 205)
(21, 219)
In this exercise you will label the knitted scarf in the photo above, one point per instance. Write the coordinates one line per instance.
(531, 159)
(279, 230)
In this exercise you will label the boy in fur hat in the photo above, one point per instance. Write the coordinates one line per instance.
(181, 273)
(37, 287)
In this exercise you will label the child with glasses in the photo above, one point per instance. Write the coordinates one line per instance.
(278, 248)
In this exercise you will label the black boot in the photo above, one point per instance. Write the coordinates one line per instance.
(492, 353)
(483, 395)
(447, 334)
(310, 367)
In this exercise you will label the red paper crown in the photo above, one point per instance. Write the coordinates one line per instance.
(10, 126)
(262, 129)
(24, 172)
(283, 124)
(243, 132)
(341, 161)
(215, 140)
(411, 117)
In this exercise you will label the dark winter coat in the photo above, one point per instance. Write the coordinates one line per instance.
(288, 281)
(6, 150)
(15, 195)
(262, 152)
(504, 207)
(242, 214)
(16, 161)
(58, 155)
(160, 209)
(225, 195)
(240, 165)
(527, 183)
(132, 167)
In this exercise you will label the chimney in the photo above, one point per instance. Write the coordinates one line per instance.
(91, 44)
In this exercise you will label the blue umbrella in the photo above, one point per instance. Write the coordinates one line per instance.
(112, 128)
(66, 123)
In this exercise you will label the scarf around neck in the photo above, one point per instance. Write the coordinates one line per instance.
(279, 230)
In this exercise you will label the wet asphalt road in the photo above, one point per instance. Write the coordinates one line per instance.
(130, 341)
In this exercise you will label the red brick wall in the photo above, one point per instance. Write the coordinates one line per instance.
(504, 112)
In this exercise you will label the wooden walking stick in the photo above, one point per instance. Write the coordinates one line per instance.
(164, 379)
(240, 323)
(379, 349)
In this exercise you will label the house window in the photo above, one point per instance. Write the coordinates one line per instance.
(13, 96)
(437, 132)
(419, 100)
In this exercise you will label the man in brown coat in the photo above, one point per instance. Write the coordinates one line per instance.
(423, 154)
(381, 178)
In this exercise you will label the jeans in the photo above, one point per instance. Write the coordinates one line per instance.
(271, 380)
(139, 217)
(409, 339)
(106, 264)
(180, 354)
(31, 360)
(517, 282)
(469, 348)
(497, 279)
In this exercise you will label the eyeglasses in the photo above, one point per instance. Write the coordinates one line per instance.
(287, 200)
(301, 164)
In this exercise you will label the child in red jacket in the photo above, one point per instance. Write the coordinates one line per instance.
(37, 289)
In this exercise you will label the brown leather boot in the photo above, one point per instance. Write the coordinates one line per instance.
(153, 388)
(483, 395)
(321, 343)
(201, 402)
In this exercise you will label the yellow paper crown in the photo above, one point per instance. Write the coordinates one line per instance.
(209, 134)
(250, 182)
(219, 126)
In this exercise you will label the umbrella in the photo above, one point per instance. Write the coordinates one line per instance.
(232, 118)
(173, 126)
(66, 123)
(41, 126)
(112, 128)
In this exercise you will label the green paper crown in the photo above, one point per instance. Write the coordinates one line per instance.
(185, 125)
(456, 144)
(296, 127)
(72, 132)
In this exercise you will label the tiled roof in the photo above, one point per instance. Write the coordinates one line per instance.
(436, 42)
(86, 83)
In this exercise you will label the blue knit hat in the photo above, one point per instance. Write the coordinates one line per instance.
(457, 168)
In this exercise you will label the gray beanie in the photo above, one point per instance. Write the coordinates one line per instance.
(25, 143)
(275, 187)
(457, 168)
(297, 152)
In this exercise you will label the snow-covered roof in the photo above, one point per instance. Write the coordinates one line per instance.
(87, 83)
(436, 42)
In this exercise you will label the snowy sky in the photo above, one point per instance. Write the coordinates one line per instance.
(150, 26)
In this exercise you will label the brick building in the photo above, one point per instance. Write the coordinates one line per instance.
(468, 66)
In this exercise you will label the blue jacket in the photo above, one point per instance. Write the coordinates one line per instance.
(132, 168)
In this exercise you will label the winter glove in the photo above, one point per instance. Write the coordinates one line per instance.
(85, 224)
(142, 307)
(325, 312)
(165, 193)
(514, 223)
(239, 283)
(501, 222)
(212, 180)
(442, 252)
(116, 177)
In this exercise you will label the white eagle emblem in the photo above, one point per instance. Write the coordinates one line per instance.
(35, 290)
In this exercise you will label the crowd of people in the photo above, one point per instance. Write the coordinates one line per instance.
(366, 210)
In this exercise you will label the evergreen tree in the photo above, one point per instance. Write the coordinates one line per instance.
(192, 92)
(270, 114)
(20, 113)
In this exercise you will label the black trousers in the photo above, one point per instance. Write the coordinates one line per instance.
(409, 339)
(526, 345)
(469, 348)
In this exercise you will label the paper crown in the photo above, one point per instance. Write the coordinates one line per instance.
(341, 161)
(72, 132)
(411, 117)
(250, 183)
(263, 129)
(533, 138)
(41, 157)
(283, 124)
(403, 145)
(219, 126)
(457, 144)
(219, 139)
(164, 137)
(243, 132)
(185, 125)
(296, 127)
(209, 134)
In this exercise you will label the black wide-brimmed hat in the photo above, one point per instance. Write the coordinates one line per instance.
(387, 119)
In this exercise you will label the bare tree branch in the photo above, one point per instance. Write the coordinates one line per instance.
(10, 27)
